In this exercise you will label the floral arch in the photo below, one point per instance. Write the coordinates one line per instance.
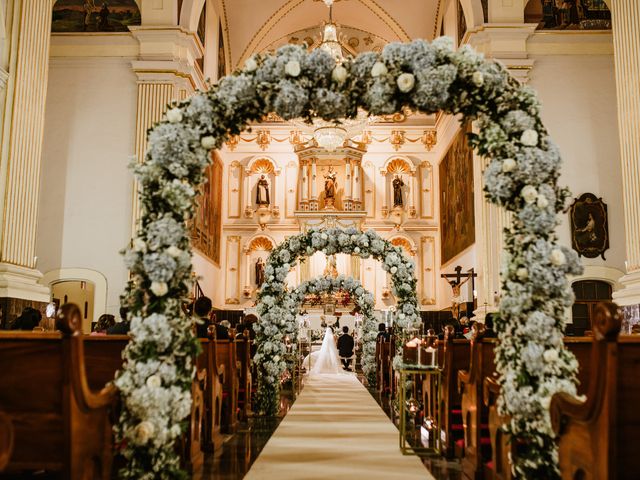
(521, 176)
(277, 308)
(362, 298)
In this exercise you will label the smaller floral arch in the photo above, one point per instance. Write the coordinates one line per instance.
(362, 298)
(277, 308)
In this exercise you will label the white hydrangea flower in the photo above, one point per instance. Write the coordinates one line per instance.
(529, 193)
(174, 251)
(529, 138)
(378, 69)
(292, 68)
(339, 74)
(557, 257)
(542, 201)
(508, 165)
(477, 78)
(250, 65)
(208, 142)
(159, 289)
(174, 115)
(406, 82)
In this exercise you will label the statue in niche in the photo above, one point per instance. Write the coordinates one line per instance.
(262, 191)
(331, 270)
(330, 186)
(397, 191)
(259, 272)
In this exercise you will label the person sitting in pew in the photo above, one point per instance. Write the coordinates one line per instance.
(104, 323)
(240, 328)
(222, 330)
(28, 320)
(202, 310)
(383, 335)
(121, 327)
(488, 323)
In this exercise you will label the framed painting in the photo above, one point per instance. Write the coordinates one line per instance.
(589, 226)
(457, 214)
(206, 229)
(84, 16)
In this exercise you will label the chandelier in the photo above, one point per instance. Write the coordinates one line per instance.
(332, 135)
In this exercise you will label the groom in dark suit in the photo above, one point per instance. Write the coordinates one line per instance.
(345, 347)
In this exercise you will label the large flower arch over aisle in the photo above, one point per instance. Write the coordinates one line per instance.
(278, 309)
(361, 297)
(522, 177)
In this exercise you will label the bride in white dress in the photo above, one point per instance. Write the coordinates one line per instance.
(326, 360)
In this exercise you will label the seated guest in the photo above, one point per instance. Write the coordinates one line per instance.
(345, 348)
(104, 323)
(28, 319)
(488, 323)
(383, 335)
(240, 328)
(202, 310)
(121, 327)
(222, 330)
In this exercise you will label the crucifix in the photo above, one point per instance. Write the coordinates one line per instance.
(456, 280)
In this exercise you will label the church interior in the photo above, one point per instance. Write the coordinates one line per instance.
(83, 84)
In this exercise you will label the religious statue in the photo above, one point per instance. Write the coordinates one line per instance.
(330, 186)
(331, 270)
(262, 192)
(259, 272)
(397, 191)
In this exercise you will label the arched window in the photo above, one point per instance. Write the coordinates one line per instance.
(588, 293)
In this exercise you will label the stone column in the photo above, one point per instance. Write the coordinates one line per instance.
(304, 186)
(385, 193)
(347, 186)
(27, 42)
(248, 209)
(356, 186)
(313, 203)
(626, 42)
(275, 210)
(247, 286)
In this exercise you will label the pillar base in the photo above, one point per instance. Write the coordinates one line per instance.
(23, 283)
(630, 293)
(19, 288)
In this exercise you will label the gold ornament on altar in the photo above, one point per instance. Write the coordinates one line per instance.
(331, 270)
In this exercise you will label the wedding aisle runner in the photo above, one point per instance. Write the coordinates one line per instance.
(335, 429)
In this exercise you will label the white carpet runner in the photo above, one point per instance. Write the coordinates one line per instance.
(335, 429)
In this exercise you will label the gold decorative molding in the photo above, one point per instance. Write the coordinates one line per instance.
(405, 244)
(260, 243)
(398, 166)
(429, 139)
(397, 139)
(262, 166)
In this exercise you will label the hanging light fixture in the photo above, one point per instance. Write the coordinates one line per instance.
(332, 135)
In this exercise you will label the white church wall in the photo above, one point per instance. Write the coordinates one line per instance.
(578, 95)
(86, 188)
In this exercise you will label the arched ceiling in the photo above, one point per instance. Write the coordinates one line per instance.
(252, 26)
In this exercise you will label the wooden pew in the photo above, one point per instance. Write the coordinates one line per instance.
(243, 351)
(103, 358)
(212, 435)
(475, 415)
(598, 437)
(227, 356)
(500, 445)
(455, 357)
(6, 440)
(59, 423)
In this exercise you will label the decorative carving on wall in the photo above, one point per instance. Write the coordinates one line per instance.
(456, 198)
(404, 243)
(260, 243)
(262, 166)
(589, 226)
